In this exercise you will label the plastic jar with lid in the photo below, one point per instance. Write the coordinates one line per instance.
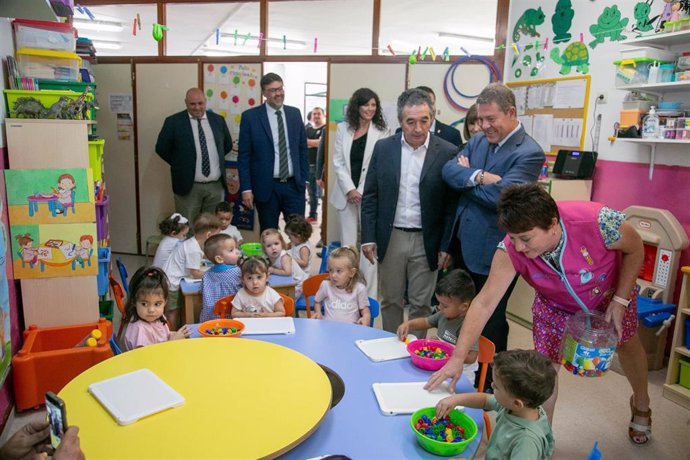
(589, 342)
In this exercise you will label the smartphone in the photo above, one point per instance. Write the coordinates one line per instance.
(57, 418)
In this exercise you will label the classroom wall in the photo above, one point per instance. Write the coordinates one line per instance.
(621, 177)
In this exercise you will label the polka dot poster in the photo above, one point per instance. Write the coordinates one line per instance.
(231, 89)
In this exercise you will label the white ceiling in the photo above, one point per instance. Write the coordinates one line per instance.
(340, 26)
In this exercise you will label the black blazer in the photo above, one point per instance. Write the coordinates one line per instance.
(438, 200)
(175, 146)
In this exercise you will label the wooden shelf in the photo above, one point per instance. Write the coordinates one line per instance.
(660, 40)
(677, 394)
(683, 351)
(685, 311)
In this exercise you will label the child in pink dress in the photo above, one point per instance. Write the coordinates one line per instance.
(344, 293)
(148, 294)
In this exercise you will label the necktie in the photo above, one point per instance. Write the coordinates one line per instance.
(205, 161)
(284, 170)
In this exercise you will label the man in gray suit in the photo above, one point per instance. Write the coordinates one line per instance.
(501, 155)
(407, 211)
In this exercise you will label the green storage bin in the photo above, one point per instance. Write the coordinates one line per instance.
(46, 97)
(684, 379)
(66, 85)
(96, 158)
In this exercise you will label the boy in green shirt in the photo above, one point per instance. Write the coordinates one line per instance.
(523, 381)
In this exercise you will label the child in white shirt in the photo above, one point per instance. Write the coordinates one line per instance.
(256, 299)
(185, 260)
(174, 229)
(224, 213)
(299, 231)
(281, 263)
(344, 293)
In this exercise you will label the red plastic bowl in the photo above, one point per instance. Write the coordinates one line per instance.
(428, 363)
(204, 328)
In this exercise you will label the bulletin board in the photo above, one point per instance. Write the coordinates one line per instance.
(554, 111)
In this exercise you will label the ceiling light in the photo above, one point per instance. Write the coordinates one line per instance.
(98, 44)
(101, 26)
(465, 37)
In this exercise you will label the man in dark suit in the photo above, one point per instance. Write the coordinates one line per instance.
(194, 143)
(442, 130)
(501, 155)
(272, 159)
(407, 211)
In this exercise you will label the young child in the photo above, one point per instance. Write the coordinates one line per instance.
(174, 229)
(66, 184)
(146, 324)
(344, 293)
(522, 381)
(454, 293)
(256, 299)
(299, 231)
(281, 262)
(185, 260)
(224, 213)
(224, 278)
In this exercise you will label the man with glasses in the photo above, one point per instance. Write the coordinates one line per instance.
(272, 159)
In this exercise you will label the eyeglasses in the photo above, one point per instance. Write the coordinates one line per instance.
(280, 89)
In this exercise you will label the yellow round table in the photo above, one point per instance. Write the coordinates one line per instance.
(243, 399)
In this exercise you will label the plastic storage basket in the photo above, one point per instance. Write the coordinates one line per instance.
(55, 65)
(634, 71)
(684, 378)
(96, 158)
(44, 35)
(47, 98)
(102, 218)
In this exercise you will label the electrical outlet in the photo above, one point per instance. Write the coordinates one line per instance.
(601, 98)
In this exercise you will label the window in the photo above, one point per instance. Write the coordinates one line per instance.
(193, 29)
(111, 30)
(407, 25)
(340, 27)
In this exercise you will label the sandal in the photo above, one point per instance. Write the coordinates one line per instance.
(637, 431)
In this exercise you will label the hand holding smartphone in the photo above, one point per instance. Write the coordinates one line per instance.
(57, 418)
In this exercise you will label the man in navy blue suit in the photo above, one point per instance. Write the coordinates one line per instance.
(272, 159)
(194, 143)
(501, 155)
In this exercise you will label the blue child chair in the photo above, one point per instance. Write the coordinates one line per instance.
(123, 274)
(374, 308)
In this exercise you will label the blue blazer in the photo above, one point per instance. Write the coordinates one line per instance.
(520, 159)
(380, 198)
(257, 155)
(175, 145)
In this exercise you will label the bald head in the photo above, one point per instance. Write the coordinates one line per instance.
(195, 102)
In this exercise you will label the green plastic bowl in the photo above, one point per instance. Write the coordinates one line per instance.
(252, 249)
(445, 449)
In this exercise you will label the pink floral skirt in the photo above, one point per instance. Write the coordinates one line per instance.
(549, 324)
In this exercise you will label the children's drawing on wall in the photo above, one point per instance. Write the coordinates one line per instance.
(527, 24)
(5, 327)
(609, 25)
(643, 23)
(528, 61)
(561, 21)
(575, 56)
(46, 196)
(241, 217)
(230, 90)
(53, 250)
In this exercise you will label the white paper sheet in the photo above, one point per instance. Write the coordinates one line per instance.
(527, 121)
(385, 349)
(570, 94)
(407, 398)
(567, 131)
(542, 130)
(520, 93)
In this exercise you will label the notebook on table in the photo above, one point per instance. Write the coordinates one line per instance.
(408, 397)
(386, 349)
(135, 395)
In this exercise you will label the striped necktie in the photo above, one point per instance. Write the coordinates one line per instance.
(205, 160)
(284, 169)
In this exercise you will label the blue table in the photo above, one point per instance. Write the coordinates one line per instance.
(192, 294)
(356, 427)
